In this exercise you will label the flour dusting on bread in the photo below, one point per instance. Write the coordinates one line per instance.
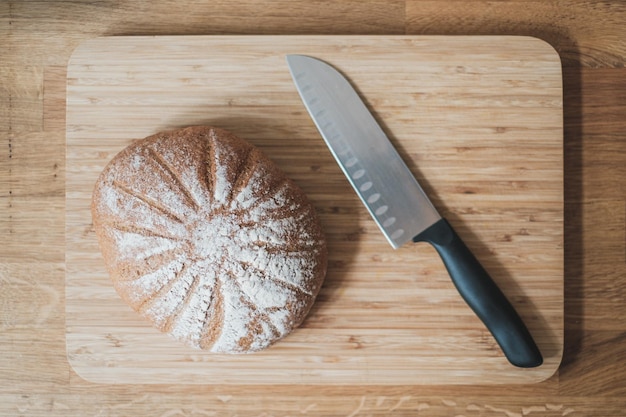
(203, 235)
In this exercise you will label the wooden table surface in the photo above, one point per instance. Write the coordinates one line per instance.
(37, 40)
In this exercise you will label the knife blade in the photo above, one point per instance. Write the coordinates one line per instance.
(397, 202)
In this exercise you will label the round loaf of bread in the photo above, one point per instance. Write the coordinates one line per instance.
(204, 236)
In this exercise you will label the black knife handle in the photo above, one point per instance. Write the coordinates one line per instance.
(482, 294)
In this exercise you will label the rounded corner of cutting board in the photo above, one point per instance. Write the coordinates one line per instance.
(80, 368)
(542, 45)
(82, 49)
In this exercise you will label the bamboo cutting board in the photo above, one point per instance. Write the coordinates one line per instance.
(477, 119)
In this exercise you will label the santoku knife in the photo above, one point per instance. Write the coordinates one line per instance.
(396, 201)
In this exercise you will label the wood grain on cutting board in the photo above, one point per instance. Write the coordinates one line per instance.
(477, 119)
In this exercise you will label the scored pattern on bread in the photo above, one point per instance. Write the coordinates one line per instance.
(203, 235)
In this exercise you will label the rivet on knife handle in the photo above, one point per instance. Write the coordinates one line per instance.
(396, 201)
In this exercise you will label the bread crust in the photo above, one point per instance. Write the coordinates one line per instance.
(205, 236)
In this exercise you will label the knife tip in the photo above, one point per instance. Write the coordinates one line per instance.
(292, 57)
(296, 63)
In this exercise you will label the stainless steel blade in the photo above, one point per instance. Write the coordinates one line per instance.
(376, 171)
